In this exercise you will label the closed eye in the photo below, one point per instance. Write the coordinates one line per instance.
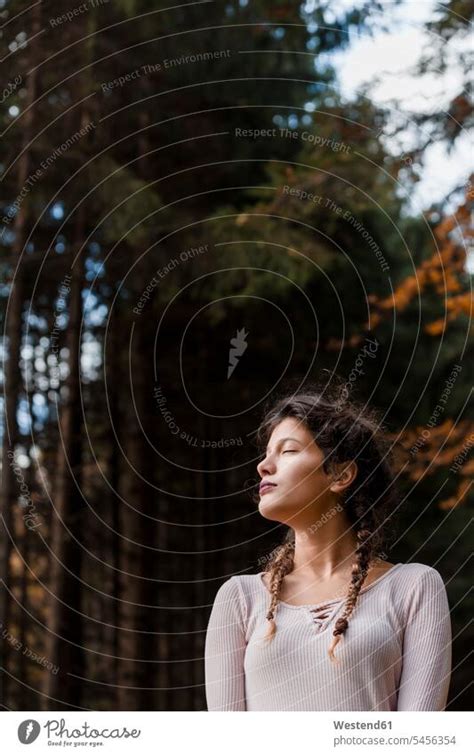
(290, 451)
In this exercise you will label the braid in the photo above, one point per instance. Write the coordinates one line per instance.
(280, 565)
(359, 572)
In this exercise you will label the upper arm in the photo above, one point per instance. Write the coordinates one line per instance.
(426, 664)
(225, 650)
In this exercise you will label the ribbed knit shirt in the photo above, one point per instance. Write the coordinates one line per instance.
(394, 655)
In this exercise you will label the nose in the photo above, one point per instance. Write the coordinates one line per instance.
(266, 467)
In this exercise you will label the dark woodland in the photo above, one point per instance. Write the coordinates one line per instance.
(159, 201)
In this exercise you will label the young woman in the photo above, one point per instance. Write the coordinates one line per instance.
(327, 474)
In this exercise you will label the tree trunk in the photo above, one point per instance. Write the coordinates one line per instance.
(13, 330)
(136, 640)
(26, 696)
(113, 368)
(137, 514)
(64, 641)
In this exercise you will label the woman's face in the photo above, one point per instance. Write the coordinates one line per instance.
(293, 463)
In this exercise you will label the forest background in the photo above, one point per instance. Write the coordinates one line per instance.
(183, 189)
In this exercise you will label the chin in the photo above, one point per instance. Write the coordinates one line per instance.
(271, 510)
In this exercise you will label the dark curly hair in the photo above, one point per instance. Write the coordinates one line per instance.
(345, 430)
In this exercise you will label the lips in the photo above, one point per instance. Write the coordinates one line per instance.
(266, 486)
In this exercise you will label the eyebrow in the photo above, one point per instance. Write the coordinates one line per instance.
(282, 440)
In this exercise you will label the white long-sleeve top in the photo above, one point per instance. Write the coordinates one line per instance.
(395, 654)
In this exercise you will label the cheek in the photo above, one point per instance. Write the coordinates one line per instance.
(304, 480)
(299, 471)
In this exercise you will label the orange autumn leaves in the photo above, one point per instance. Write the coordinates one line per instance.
(442, 273)
(446, 447)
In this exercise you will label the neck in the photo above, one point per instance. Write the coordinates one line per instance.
(327, 551)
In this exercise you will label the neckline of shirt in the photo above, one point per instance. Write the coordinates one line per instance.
(333, 600)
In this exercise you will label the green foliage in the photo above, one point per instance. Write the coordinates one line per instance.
(125, 202)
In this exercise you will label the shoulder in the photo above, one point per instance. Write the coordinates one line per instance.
(251, 585)
(415, 577)
(228, 589)
(422, 589)
(252, 591)
(419, 573)
(230, 597)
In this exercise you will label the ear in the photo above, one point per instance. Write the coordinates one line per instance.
(343, 476)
